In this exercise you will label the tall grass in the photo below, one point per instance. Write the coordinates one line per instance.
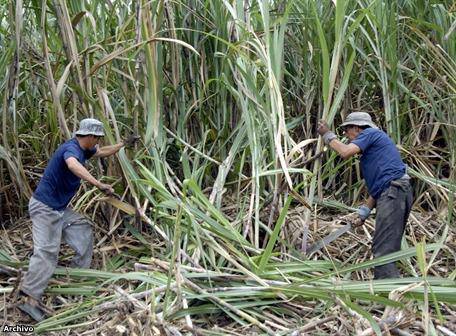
(226, 96)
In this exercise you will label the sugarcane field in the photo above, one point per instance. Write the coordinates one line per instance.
(228, 167)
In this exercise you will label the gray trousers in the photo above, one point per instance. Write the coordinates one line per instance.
(393, 209)
(49, 227)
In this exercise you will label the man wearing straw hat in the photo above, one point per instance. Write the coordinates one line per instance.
(53, 220)
(387, 182)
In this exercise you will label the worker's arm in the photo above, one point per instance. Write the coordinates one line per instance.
(345, 151)
(80, 171)
(371, 202)
(113, 149)
(108, 150)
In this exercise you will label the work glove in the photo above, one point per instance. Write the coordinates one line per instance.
(106, 189)
(324, 131)
(364, 212)
(130, 140)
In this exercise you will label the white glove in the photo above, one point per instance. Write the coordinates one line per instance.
(364, 212)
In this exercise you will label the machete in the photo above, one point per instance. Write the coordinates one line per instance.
(317, 246)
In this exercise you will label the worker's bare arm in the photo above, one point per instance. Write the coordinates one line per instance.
(345, 151)
(113, 149)
(108, 150)
(371, 202)
(80, 171)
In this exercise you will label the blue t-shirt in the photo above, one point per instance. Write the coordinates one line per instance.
(381, 162)
(58, 184)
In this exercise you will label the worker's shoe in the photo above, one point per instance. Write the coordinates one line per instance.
(33, 311)
(388, 271)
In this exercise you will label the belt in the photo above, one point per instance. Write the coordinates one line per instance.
(402, 182)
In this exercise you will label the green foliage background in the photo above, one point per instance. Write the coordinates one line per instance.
(225, 96)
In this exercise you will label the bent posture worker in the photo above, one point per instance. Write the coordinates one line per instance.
(387, 182)
(53, 220)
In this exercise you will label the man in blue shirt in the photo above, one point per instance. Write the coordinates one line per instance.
(387, 182)
(53, 220)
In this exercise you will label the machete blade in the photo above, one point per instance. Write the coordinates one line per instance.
(317, 246)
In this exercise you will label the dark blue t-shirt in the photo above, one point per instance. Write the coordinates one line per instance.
(58, 184)
(381, 162)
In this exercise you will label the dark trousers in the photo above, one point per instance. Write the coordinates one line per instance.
(393, 209)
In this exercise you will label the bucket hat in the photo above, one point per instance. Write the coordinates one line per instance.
(90, 126)
(359, 119)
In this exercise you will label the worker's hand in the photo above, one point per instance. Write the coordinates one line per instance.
(354, 219)
(323, 127)
(358, 221)
(323, 130)
(130, 140)
(106, 189)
